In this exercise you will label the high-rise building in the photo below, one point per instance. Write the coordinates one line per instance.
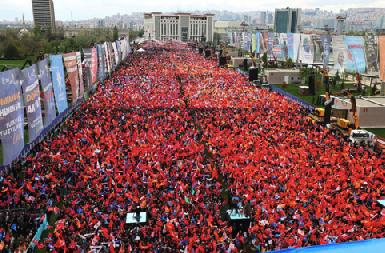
(178, 26)
(262, 18)
(287, 20)
(340, 29)
(44, 14)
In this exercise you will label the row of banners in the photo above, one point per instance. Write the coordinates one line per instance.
(343, 53)
(21, 89)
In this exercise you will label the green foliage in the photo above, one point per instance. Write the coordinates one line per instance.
(37, 31)
(216, 38)
(37, 43)
(289, 63)
(135, 34)
(306, 72)
(11, 52)
(141, 33)
(264, 59)
(377, 131)
(115, 33)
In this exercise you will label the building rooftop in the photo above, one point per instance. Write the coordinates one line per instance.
(178, 14)
(368, 101)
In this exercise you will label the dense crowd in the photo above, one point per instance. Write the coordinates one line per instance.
(174, 134)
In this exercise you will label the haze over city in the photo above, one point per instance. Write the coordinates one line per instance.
(78, 10)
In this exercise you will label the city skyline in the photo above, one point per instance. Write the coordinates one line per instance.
(67, 10)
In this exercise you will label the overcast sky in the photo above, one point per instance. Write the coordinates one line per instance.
(84, 9)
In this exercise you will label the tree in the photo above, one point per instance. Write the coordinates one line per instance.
(11, 51)
(289, 63)
(37, 30)
(115, 34)
(264, 59)
(141, 33)
(216, 38)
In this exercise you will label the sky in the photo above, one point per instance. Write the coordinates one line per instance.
(86, 9)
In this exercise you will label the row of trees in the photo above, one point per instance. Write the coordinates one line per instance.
(17, 45)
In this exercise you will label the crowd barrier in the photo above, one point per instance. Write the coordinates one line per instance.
(55, 124)
(28, 147)
(43, 226)
(367, 246)
(20, 92)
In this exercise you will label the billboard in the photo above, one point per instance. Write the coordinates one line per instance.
(107, 57)
(284, 45)
(48, 97)
(94, 66)
(296, 46)
(254, 43)
(59, 87)
(290, 46)
(381, 44)
(116, 53)
(306, 49)
(236, 40)
(31, 94)
(87, 67)
(258, 43)
(101, 61)
(11, 115)
(70, 62)
(80, 71)
(371, 48)
(264, 42)
(246, 41)
(229, 40)
(317, 48)
(270, 43)
(339, 54)
(356, 60)
(112, 56)
(325, 49)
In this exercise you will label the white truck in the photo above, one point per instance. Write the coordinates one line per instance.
(361, 137)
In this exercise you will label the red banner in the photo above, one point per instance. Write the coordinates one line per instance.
(70, 62)
(94, 66)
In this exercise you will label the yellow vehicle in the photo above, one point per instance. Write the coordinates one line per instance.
(320, 112)
(343, 123)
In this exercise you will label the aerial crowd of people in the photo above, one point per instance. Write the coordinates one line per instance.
(173, 134)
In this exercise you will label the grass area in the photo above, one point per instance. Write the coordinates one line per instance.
(294, 90)
(12, 63)
(377, 131)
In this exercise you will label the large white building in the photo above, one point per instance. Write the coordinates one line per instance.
(178, 26)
